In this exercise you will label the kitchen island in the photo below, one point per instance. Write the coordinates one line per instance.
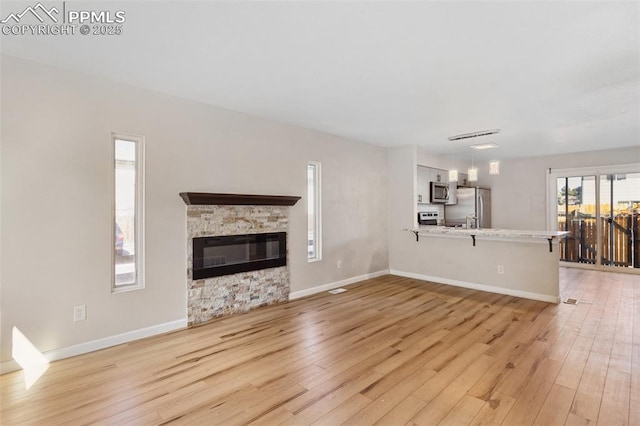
(489, 233)
(513, 262)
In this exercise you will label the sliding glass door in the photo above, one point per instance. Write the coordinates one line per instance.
(619, 208)
(601, 213)
(577, 214)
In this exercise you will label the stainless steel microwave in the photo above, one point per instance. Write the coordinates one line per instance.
(439, 192)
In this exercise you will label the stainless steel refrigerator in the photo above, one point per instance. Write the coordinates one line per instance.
(474, 203)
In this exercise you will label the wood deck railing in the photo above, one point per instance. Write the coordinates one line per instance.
(620, 240)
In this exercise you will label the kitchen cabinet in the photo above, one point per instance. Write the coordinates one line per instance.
(438, 175)
(442, 176)
(426, 175)
(463, 179)
(423, 185)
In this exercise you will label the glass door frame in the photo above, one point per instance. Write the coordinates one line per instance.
(552, 176)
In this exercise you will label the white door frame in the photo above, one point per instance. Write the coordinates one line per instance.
(552, 205)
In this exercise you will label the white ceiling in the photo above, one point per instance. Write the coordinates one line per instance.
(553, 76)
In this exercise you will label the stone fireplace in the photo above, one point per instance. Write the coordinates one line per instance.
(246, 217)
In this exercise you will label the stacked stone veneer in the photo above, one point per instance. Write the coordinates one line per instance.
(229, 294)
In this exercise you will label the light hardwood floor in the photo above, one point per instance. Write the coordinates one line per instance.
(389, 351)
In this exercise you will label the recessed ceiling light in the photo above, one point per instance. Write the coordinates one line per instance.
(484, 146)
(474, 134)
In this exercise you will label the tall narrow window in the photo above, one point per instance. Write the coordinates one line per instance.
(129, 212)
(314, 234)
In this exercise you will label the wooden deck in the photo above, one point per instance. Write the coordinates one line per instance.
(389, 351)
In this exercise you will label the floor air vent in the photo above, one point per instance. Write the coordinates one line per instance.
(338, 290)
(571, 301)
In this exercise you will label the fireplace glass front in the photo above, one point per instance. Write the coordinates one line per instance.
(225, 255)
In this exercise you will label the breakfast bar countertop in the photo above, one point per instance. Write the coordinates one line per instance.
(486, 232)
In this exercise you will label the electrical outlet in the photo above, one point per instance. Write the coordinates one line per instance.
(80, 312)
(340, 264)
(500, 269)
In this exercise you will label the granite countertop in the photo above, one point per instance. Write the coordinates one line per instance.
(486, 232)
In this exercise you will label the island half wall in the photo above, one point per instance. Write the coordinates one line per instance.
(528, 268)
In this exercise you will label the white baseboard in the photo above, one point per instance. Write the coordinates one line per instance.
(331, 286)
(481, 287)
(94, 345)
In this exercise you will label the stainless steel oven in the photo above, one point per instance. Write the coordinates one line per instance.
(428, 218)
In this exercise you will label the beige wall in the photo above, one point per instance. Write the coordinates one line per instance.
(56, 199)
(56, 195)
(518, 193)
(518, 202)
(402, 197)
(438, 161)
(530, 270)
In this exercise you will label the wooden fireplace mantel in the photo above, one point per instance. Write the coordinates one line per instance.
(205, 198)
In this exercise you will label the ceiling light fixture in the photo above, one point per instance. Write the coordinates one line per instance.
(472, 171)
(479, 146)
(473, 134)
(494, 167)
(473, 174)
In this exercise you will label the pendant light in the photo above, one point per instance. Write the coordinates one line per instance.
(453, 173)
(473, 174)
(473, 171)
(494, 167)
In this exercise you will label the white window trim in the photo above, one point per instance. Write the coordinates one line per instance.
(140, 212)
(317, 202)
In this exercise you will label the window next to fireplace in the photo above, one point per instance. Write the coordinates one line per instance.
(216, 256)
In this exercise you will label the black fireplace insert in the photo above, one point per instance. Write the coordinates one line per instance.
(225, 255)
